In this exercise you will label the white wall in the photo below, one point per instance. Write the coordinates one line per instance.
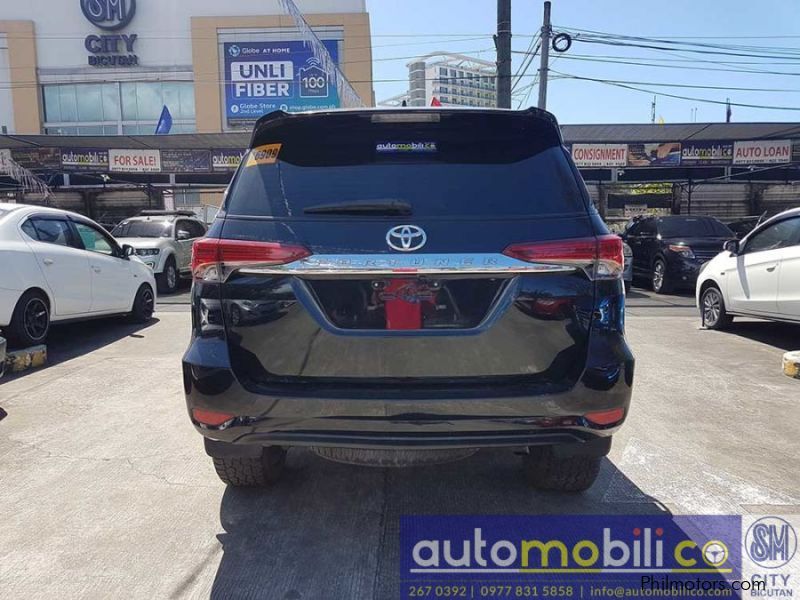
(163, 26)
(6, 106)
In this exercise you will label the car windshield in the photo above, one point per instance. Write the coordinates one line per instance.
(542, 183)
(692, 227)
(146, 229)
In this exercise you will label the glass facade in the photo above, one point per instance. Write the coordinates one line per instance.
(128, 107)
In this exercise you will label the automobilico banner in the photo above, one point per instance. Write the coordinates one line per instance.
(265, 76)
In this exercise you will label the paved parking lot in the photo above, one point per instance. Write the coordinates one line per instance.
(106, 491)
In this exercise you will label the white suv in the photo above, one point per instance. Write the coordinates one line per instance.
(163, 241)
(757, 277)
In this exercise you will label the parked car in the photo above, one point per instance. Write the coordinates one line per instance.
(757, 277)
(741, 227)
(627, 273)
(669, 251)
(419, 280)
(163, 240)
(61, 266)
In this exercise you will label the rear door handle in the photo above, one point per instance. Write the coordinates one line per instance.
(772, 268)
(96, 269)
(48, 261)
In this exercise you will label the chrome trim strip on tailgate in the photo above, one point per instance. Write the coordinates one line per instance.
(397, 264)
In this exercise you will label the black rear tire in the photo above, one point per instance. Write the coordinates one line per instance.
(143, 305)
(30, 321)
(570, 474)
(167, 280)
(256, 471)
(712, 309)
(660, 281)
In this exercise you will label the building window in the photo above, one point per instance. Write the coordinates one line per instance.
(130, 107)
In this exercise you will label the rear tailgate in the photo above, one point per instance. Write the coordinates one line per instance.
(369, 251)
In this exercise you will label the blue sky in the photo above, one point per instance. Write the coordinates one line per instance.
(466, 26)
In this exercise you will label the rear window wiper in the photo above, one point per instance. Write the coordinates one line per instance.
(371, 207)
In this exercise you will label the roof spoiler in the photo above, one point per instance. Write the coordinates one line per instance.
(166, 213)
(279, 118)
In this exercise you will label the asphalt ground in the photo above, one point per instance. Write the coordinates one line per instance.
(105, 491)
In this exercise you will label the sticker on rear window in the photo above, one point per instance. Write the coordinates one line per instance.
(263, 155)
(406, 147)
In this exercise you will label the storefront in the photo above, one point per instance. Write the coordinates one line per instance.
(106, 67)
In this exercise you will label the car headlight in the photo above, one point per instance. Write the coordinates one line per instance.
(147, 251)
(684, 251)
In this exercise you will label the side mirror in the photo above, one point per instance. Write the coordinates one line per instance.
(128, 250)
(183, 235)
(731, 246)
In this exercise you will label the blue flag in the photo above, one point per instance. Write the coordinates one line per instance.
(164, 122)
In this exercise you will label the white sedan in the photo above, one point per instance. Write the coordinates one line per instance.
(756, 277)
(60, 266)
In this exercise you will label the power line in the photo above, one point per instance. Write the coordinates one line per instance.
(567, 56)
(693, 86)
(677, 96)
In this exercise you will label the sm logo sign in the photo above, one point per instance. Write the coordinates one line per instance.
(771, 542)
(109, 14)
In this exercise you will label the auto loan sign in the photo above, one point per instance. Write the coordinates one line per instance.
(265, 76)
(762, 152)
(600, 155)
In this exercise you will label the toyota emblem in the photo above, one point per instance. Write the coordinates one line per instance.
(406, 238)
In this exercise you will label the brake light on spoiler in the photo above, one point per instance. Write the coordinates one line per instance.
(214, 259)
(601, 257)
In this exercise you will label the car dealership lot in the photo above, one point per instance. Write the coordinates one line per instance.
(106, 490)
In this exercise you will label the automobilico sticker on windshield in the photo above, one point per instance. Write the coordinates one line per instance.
(263, 155)
(405, 147)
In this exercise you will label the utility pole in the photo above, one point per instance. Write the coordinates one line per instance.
(503, 44)
(653, 111)
(543, 68)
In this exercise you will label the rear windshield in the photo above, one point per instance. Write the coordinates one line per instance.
(499, 168)
(692, 227)
(153, 229)
(540, 184)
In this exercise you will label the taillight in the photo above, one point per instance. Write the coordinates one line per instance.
(213, 259)
(601, 257)
(211, 418)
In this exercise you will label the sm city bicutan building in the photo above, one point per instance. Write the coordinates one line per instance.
(107, 67)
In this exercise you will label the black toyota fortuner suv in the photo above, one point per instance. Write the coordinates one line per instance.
(408, 280)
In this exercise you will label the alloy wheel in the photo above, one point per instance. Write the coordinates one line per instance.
(172, 277)
(36, 319)
(148, 302)
(658, 276)
(712, 307)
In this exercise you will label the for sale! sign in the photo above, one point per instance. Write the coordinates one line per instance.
(134, 161)
(266, 76)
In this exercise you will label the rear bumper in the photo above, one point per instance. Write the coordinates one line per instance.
(415, 421)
